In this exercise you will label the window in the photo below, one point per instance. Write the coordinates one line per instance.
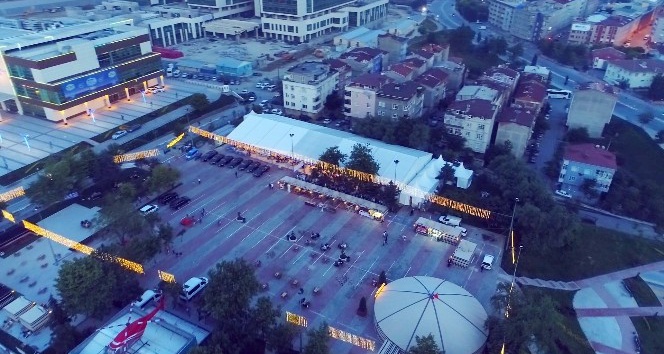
(381, 113)
(406, 108)
(394, 115)
(381, 104)
(480, 136)
(304, 106)
(395, 106)
(367, 104)
(480, 127)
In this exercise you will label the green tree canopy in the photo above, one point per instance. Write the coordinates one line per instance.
(317, 341)
(425, 345)
(656, 90)
(119, 216)
(445, 175)
(577, 135)
(198, 101)
(58, 178)
(333, 156)
(162, 177)
(362, 160)
(646, 117)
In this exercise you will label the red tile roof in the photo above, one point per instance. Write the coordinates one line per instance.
(404, 91)
(474, 108)
(513, 74)
(363, 54)
(432, 78)
(608, 53)
(518, 116)
(401, 69)
(370, 80)
(414, 63)
(591, 155)
(430, 49)
(531, 91)
(337, 65)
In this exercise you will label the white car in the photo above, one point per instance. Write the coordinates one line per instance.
(184, 75)
(260, 85)
(326, 121)
(147, 296)
(244, 91)
(276, 111)
(192, 287)
(148, 209)
(251, 98)
(487, 262)
(564, 194)
(119, 134)
(264, 103)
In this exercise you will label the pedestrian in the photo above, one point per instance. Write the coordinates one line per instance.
(384, 238)
(271, 186)
(176, 95)
(122, 116)
(203, 211)
(50, 144)
(151, 103)
(302, 292)
(412, 211)
(235, 174)
(199, 180)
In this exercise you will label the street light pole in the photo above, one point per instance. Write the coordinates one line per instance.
(508, 241)
(396, 163)
(291, 146)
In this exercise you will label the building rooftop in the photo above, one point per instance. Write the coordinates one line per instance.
(370, 80)
(393, 36)
(474, 108)
(591, 155)
(354, 33)
(615, 21)
(477, 93)
(432, 77)
(532, 77)
(536, 69)
(581, 27)
(501, 71)
(404, 91)
(517, 115)
(414, 63)
(231, 63)
(532, 91)
(337, 65)
(362, 54)
(401, 69)
(310, 68)
(640, 65)
(608, 53)
(596, 18)
(429, 50)
(598, 86)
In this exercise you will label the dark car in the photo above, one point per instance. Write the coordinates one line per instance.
(215, 160)
(95, 196)
(180, 202)
(244, 165)
(226, 160)
(259, 172)
(236, 161)
(167, 197)
(208, 155)
(254, 165)
(134, 127)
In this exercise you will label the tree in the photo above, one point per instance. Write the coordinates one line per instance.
(362, 308)
(317, 341)
(280, 338)
(425, 345)
(419, 137)
(362, 160)
(623, 84)
(646, 117)
(206, 349)
(659, 137)
(333, 102)
(446, 175)
(533, 61)
(333, 156)
(89, 286)
(588, 187)
(55, 182)
(198, 101)
(119, 216)
(577, 135)
(382, 278)
(656, 90)
(390, 196)
(516, 51)
(162, 177)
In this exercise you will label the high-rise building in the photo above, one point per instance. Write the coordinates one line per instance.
(67, 71)
(302, 20)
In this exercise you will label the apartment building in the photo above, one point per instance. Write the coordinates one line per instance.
(306, 87)
(587, 162)
(601, 57)
(400, 100)
(479, 92)
(360, 95)
(533, 20)
(592, 108)
(67, 71)
(501, 12)
(433, 54)
(502, 75)
(614, 30)
(364, 60)
(634, 73)
(530, 95)
(515, 125)
(473, 120)
(395, 46)
(456, 73)
(400, 72)
(344, 70)
(434, 82)
(301, 20)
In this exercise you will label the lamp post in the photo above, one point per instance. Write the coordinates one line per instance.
(508, 241)
(509, 294)
(291, 146)
(396, 163)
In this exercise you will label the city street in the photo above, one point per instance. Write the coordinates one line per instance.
(272, 214)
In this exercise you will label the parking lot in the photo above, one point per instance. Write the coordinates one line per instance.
(272, 214)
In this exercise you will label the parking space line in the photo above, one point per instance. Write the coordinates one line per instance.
(367, 272)
(323, 254)
(279, 239)
(352, 265)
(407, 272)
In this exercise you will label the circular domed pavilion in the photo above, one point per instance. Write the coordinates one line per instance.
(420, 305)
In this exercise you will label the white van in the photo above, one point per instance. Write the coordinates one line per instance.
(450, 220)
(147, 296)
(192, 287)
(148, 209)
(463, 230)
(487, 262)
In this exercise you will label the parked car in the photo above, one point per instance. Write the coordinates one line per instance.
(148, 209)
(564, 194)
(254, 165)
(148, 295)
(244, 165)
(134, 127)
(260, 171)
(264, 103)
(236, 161)
(276, 111)
(192, 287)
(184, 75)
(191, 153)
(168, 197)
(215, 160)
(327, 121)
(119, 134)
(208, 155)
(257, 74)
(225, 161)
(180, 202)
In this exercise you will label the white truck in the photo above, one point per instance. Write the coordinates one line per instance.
(487, 262)
(169, 70)
(450, 220)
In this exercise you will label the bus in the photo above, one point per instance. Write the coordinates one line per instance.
(566, 94)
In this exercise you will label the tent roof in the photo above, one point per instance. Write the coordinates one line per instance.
(420, 305)
(426, 180)
(272, 132)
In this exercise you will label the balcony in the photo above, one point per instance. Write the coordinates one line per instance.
(347, 93)
(347, 102)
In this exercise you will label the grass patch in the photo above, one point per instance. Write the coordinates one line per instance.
(641, 292)
(568, 336)
(20, 173)
(650, 331)
(637, 152)
(596, 251)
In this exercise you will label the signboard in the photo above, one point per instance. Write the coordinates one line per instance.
(90, 83)
(14, 193)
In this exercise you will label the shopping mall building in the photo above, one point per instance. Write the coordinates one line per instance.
(64, 72)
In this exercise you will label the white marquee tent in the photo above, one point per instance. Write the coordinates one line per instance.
(309, 141)
(420, 305)
(426, 181)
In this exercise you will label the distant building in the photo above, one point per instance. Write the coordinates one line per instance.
(395, 46)
(402, 28)
(478, 92)
(360, 37)
(658, 28)
(364, 60)
(635, 73)
(400, 100)
(360, 95)
(501, 12)
(592, 108)
(587, 161)
(306, 87)
(530, 95)
(515, 125)
(502, 75)
(344, 70)
(434, 82)
(456, 73)
(432, 53)
(602, 56)
(538, 70)
(234, 67)
(473, 120)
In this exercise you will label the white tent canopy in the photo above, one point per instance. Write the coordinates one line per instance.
(309, 141)
(420, 305)
(426, 180)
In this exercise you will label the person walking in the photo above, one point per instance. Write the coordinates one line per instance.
(199, 181)
(236, 174)
(384, 238)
